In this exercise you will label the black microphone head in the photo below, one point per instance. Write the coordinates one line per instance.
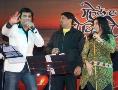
(32, 28)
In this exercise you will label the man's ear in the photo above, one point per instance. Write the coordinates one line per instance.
(19, 16)
(19, 19)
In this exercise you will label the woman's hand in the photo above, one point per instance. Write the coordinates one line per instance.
(89, 67)
(97, 37)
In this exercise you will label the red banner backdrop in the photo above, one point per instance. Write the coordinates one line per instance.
(47, 17)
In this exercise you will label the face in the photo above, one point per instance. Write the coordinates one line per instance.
(65, 22)
(97, 27)
(25, 17)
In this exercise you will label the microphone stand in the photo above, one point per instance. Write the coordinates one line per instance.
(50, 75)
(3, 73)
(94, 52)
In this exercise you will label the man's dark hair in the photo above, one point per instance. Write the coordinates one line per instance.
(26, 10)
(69, 15)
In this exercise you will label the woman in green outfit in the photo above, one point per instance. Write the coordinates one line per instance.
(97, 70)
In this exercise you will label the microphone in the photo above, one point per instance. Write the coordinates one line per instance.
(94, 32)
(32, 28)
(30, 25)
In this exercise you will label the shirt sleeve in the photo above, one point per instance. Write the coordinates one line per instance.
(39, 41)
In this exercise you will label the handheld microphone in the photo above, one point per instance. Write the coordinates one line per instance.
(94, 32)
(30, 25)
(32, 28)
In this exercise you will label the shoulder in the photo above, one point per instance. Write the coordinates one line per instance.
(58, 32)
(77, 31)
(55, 34)
(111, 35)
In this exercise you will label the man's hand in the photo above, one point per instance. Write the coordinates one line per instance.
(77, 71)
(14, 19)
(30, 25)
(55, 51)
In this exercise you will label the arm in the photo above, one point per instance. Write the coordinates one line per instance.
(7, 28)
(50, 46)
(81, 44)
(80, 48)
(85, 50)
(77, 70)
(39, 42)
(85, 53)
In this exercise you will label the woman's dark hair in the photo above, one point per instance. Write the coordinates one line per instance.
(103, 23)
(26, 10)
